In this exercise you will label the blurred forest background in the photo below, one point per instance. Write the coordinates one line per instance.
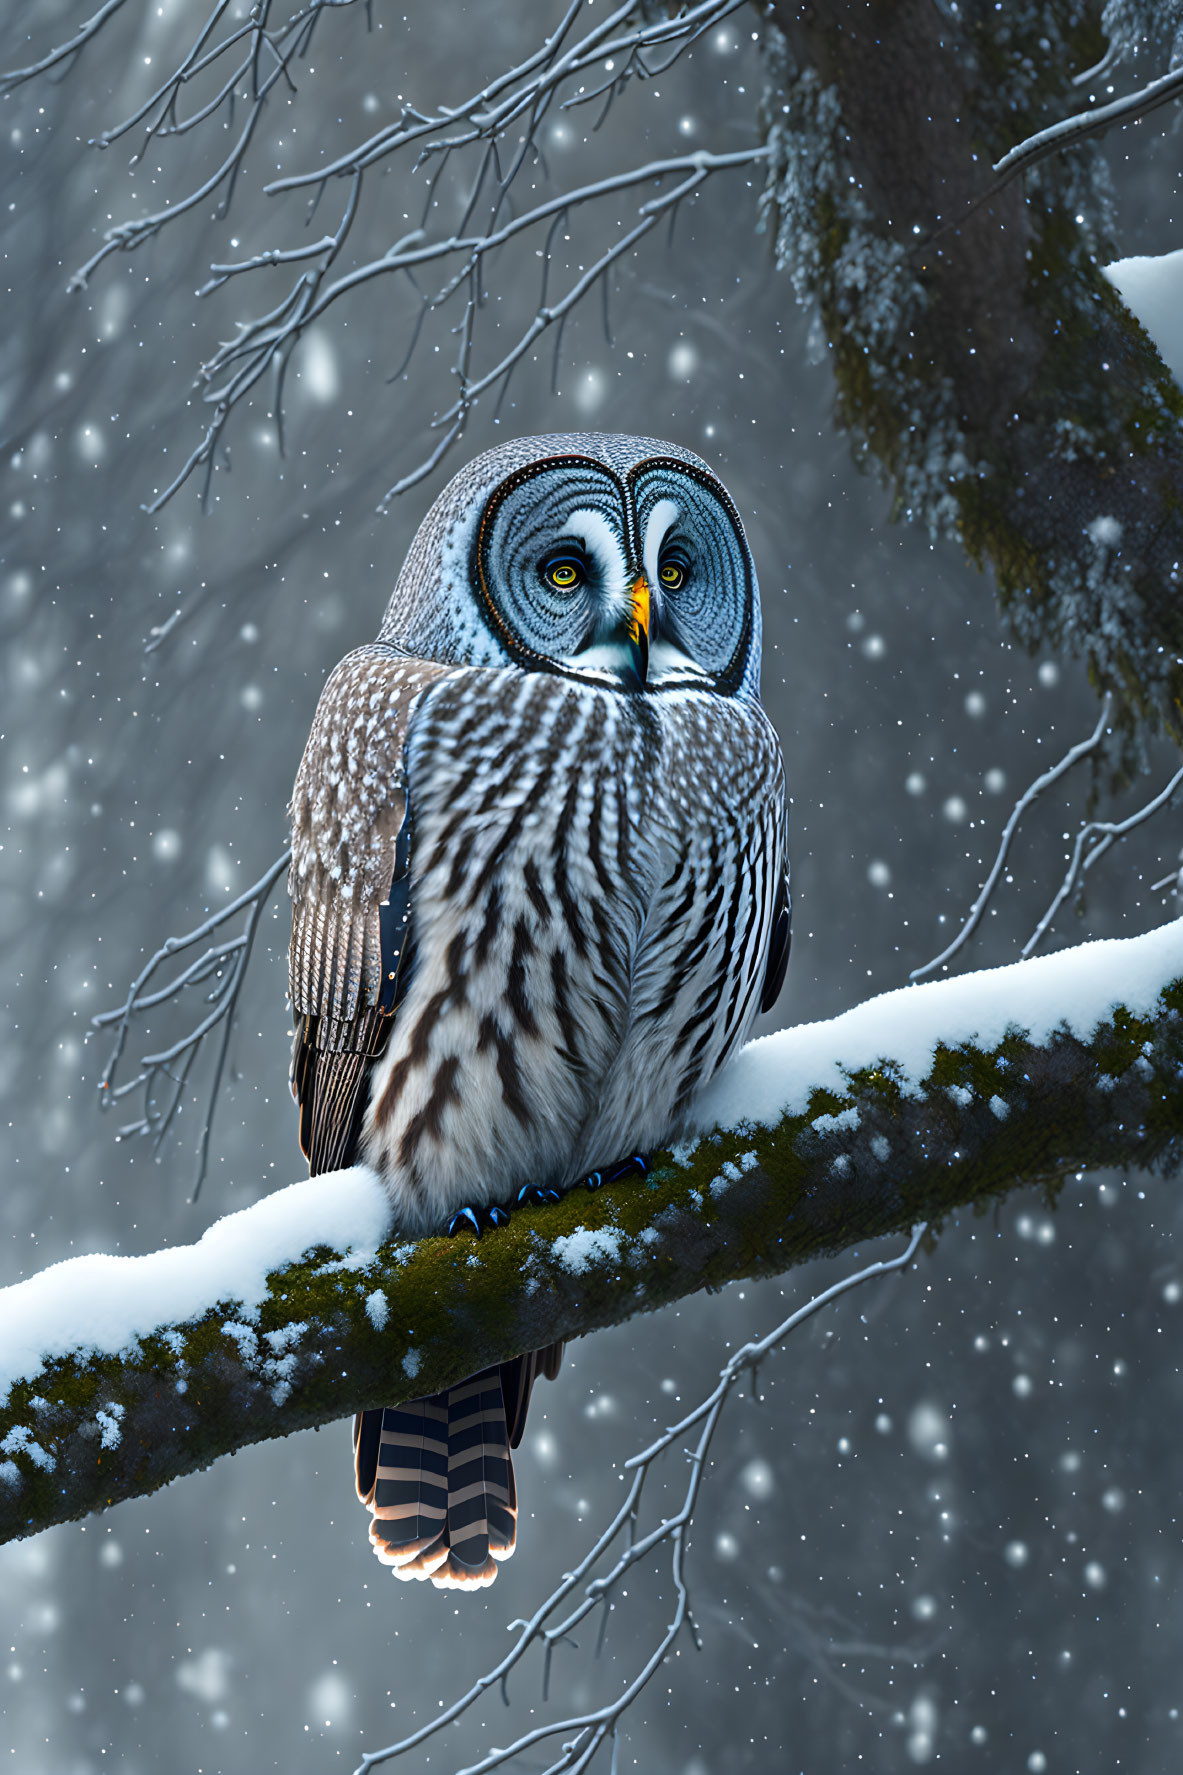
(951, 1527)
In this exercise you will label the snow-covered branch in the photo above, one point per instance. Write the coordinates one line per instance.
(121, 1373)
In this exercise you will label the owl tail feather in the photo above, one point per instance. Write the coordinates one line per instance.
(437, 1478)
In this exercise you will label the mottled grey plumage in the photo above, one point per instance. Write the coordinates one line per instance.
(539, 886)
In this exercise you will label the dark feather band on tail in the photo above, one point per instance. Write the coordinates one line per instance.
(437, 1479)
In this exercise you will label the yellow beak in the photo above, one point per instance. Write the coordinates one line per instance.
(638, 628)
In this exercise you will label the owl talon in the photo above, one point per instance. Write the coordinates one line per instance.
(533, 1195)
(477, 1220)
(635, 1166)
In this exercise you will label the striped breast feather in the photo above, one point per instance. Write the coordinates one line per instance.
(347, 809)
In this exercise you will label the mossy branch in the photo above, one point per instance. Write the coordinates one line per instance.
(864, 1149)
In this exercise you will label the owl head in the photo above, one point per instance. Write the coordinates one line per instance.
(614, 560)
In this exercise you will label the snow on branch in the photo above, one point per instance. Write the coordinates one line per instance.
(121, 1373)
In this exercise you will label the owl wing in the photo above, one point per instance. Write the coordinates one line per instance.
(778, 944)
(352, 946)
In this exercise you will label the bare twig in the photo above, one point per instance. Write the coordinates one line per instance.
(263, 342)
(1073, 756)
(582, 1735)
(1099, 836)
(698, 168)
(499, 125)
(489, 112)
(167, 1071)
(1098, 69)
(1072, 130)
(82, 36)
(1067, 133)
(289, 40)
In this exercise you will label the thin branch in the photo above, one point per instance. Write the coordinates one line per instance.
(1098, 69)
(1072, 130)
(260, 342)
(509, 109)
(166, 94)
(126, 236)
(226, 964)
(1081, 750)
(455, 416)
(590, 1729)
(530, 80)
(82, 36)
(1068, 133)
(1105, 833)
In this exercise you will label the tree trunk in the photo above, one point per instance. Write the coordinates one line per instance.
(980, 355)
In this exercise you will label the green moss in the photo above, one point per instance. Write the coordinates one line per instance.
(459, 1304)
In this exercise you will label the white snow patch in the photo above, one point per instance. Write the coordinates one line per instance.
(378, 1308)
(1078, 989)
(1000, 1107)
(110, 1431)
(103, 1304)
(846, 1118)
(20, 1441)
(1152, 290)
(411, 1364)
(577, 1250)
(880, 1146)
(244, 1337)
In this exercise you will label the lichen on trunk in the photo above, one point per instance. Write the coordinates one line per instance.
(981, 359)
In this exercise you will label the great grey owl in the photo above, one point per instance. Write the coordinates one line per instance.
(540, 891)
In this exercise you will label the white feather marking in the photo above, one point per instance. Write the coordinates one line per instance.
(609, 661)
(603, 544)
(668, 661)
(662, 519)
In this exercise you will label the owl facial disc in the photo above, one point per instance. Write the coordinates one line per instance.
(639, 581)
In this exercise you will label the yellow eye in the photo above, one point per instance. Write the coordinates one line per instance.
(672, 575)
(564, 576)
